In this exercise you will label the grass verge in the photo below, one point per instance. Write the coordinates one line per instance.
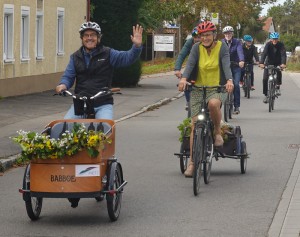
(158, 66)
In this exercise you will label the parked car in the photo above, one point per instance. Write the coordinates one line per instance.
(260, 48)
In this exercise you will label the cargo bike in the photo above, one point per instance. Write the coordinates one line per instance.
(76, 176)
(204, 150)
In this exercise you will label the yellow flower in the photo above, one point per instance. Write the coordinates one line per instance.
(69, 152)
(49, 145)
(93, 140)
(75, 139)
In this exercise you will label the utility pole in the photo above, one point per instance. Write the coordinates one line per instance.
(88, 9)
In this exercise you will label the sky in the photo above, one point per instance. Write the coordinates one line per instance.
(267, 6)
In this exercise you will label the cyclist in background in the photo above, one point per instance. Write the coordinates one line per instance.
(274, 54)
(207, 65)
(184, 52)
(250, 52)
(237, 62)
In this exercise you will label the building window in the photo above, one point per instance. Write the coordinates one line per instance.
(39, 35)
(25, 33)
(60, 30)
(8, 33)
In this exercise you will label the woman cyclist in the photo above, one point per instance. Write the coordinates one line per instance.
(207, 65)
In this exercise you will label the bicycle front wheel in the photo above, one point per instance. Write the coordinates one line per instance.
(197, 157)
(270, 96)
(208, 151)
(226, 110)
(248, 85)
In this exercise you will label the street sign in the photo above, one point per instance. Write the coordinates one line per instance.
(163, 42)
(215, 18)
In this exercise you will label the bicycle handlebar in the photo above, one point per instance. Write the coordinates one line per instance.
(273, 67)
(102, 92)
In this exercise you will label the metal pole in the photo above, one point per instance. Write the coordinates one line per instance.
(88, 15)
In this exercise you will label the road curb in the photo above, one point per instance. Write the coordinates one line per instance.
(7, 163)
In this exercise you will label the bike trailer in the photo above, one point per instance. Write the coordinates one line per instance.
(233, 143)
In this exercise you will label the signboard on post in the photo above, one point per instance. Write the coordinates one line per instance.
(215, 18)
(163, 42)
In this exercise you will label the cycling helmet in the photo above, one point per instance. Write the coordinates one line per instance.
(248, 38)
(274, 35)
(227, 29)
(206, 26)
(90, 26)
(195, 31)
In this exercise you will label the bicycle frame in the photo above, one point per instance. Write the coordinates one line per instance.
(203, 140)
(272, 81)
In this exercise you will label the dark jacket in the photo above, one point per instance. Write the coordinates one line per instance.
(250, 53)
(235, 51)
(274, 54)
(92, 78)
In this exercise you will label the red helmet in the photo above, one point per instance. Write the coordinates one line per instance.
(206, 26)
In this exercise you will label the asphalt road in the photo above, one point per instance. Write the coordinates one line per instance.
(158, 200)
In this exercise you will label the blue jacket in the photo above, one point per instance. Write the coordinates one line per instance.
(235, 51)
(116, 59)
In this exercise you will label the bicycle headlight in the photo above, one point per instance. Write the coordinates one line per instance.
(271, 78)
(201, 117)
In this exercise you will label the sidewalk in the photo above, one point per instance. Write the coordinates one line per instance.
(33, 112)
(286, 221)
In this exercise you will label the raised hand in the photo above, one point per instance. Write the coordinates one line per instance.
(137, 35)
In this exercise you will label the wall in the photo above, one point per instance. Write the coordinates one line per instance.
(36, 75)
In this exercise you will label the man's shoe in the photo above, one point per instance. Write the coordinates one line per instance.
(74, 202)
(219, 140)
(189, 170)
(186, 107)
(278, 92)
(266, 100)
(236, 110)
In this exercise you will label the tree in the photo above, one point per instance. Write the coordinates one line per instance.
(116, 19)
(290, 41)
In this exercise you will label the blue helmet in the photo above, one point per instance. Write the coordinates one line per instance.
(248, 38)
(195, 31)
(274, 35)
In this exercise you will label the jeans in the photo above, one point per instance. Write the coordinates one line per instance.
(187, 94)
(101, 112)
(236, 73)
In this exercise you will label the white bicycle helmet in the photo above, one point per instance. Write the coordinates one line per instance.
(227, 29)
(90, 26)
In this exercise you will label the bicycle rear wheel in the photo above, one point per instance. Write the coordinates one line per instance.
(197, 157)
(183, 159)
